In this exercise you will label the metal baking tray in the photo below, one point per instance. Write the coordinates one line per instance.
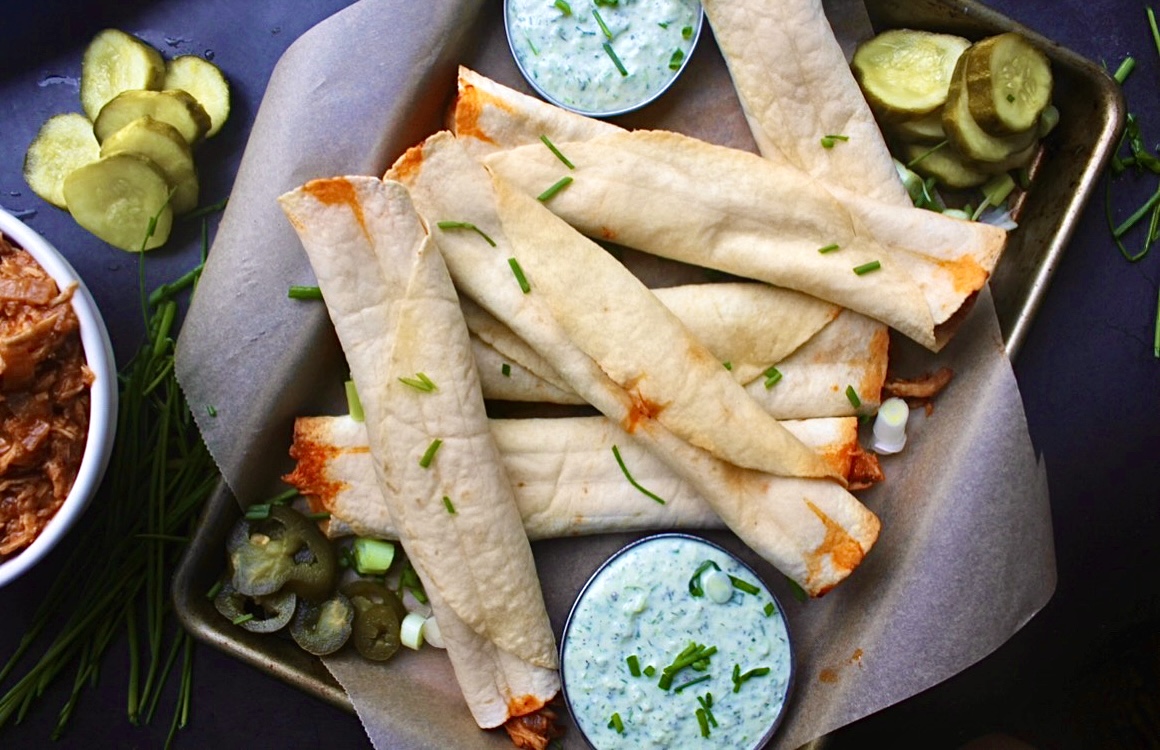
(1092, 115)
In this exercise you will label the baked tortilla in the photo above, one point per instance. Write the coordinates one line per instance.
(681, 198)
(811, 529)
(796, 87)
(565, 477)
(396, 314)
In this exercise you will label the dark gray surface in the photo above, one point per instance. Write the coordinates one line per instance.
(1090, 384)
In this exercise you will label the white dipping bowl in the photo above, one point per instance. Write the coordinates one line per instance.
(102, 397)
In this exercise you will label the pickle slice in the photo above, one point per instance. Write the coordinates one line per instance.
(925, 129)
(965, 134)
(116, 196)
(204, 81)
(945, 166)
(1008, 83)
(162, 144)
(175, 107)
(63, 143)
(906, 73)
(114, 62)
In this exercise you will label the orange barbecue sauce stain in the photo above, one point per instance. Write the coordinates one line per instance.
(878, 353)
(310, 475)
(640, 410)
(966, 274)
(829, 675)
(337, 191)
(842, 549)
(408, 165)
(469, 110)
(524, 704)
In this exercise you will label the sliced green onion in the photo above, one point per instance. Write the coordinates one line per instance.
(258, 512)
(695, 588)
(505, 370)
(867, 267)
(603, 26)
(616, 723)
(420, 382)
(552, 147)
(676, 59)
(633, 482)
(304, 292)
(828, 141)
(633, 665)
(429, 454)
(411, 630)
(466, 225)
(772, 377)
(691, 682)
(769, 609)
(353, 403)
(372, 557)
(743, 585)
(448, 505)
(525, 287)
(853, 396)
(564, 7)
(556, 187)
(829, 248)
(615, 60)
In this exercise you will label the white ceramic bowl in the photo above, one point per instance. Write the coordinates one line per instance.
(103, 397)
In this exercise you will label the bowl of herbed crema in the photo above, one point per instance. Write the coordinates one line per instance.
(602, 57)
(675, 642)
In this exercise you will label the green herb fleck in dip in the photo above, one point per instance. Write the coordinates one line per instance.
(602, 57)
(676, 643)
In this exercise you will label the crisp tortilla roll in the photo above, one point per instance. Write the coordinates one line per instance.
(396, 315)
(685, 199)
(566, 478)
(796, 87)
(813, 530)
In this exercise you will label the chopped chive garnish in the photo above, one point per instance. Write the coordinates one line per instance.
(677, 58)
(703, 720)
(663, 24)
(420, 382)
(633, 482)
(353, 403)
(853, 396)
(304, 292)
(603, 26)
(556, 187)
(688, 658)
(691, 682)
(772, 377)
(867, 267)
(910, 164)
(465, 225)
(798, 592)
(258, 512)
(525, 287)
(727, 366)
(633, 665)
(564, 7)
(829, 248)
(695, 582)
(241, 619)
(687, 32)
(506, 370)
(608, 3)
(1156, 336)
(769, 609)
(210, 410)
(1152, 25)
(616, 723)
(615, 60)
(828, 141)
(448, 505)
(707, 704)
(214, 590)
(739, 678)
(429, 454)
(552, 147)
(322, 515)
(743, 585)
(532, 45)
(650, 670)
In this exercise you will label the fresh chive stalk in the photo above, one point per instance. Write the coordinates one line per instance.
(633, 665)
(687, 32)
(852, 395)
(910, 164)
(449, 505)
(829, 248)
(429, 454)
(690, 683)
(552, 147)
(828, 141)
(633, 482)
(866, 268)
(564, 7)
(420, 382)
(616, 723)
(506, 370)
(1125, 69)
(772, 377)
(743, 585)
(518, 272)
(615, 60)
(304, 292)
(556, 187)
(607, 32)
(769, 609)
(465, 225)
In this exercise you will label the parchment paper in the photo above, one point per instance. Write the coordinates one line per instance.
(965, 557)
